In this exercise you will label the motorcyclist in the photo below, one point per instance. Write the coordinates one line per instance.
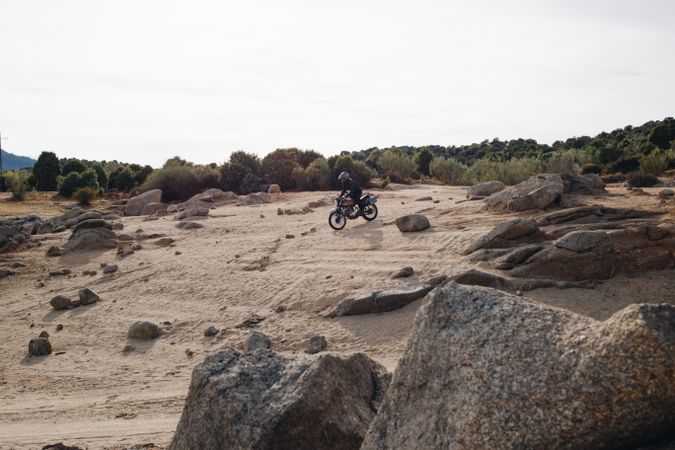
(349, 185)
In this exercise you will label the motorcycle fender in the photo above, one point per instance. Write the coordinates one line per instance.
(333, 210)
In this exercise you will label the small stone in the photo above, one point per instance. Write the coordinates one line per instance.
(256, 340)
(59, 272)
(44, 334)
(289, 236)
(316, 344)
(54, 251)
(211, 331)
(143, 329)
(61, 302)
(404, 272)
(59, 327)
(104, 265)
(178, 253)
(17, 264)
(280, 309)
(125, 251)
(39, 347)
(252, 321)
(87, 296)
(189, 353)
(128, 348)
(666, 193)
(112, 268)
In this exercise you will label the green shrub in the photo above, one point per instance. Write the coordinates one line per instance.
(101, 176)
(181, 181)
(625, 165)
(449, 171)
(511, 172)
(397, 166)
(85, 195)
(385, 183)
(250, 183)
(655, 163)
(122, 179)
(16, 184)
(69, 184)
(591, 168)
(317, 175)
(562, 163)
(3, 185)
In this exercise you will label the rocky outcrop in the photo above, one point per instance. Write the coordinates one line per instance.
(265, 400)
(92, 234)
(584, 184)
(274, 189)
(16, 231)
(485, 189)
(135, 205)
(536, 193)
(256, 340)
(383, 301)
(485, 369)
(256, 198)
(412, 223)
(156, 208)
(207, 199)
(192, 212)
(39, 347)
(507, 234)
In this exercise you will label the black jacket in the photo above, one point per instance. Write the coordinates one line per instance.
(350, 186)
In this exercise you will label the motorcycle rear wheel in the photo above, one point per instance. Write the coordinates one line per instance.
(370, 212)
(337, 221)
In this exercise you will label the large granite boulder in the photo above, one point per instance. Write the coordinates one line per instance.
(584, 184)
(484, 369)
(536, 193)
(266, 400)
(485, 189)
(92, 234)
(135, 205)
(158, 208)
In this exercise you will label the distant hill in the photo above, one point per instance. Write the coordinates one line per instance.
(12, 162)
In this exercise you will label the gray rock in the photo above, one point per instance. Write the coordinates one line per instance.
(265, 400)
(59, 272)
(143, 329)
(193, 212)
(584, 184)
(154, 208)
(92, 234)
(39, 347)
(536, 193)
(274, 189)
(425, 199)
(111, 216)
(316, 344)
(666, 193)
(61, 302)
(110, 268)
(118, 226)
(189, 225)
(206, 199)
(584, 240)
(381, 301)
(125, 250)
(412, 223)
(256, 340)
(211, 331)
(486, 188)
(6, 272)
(135, 205)
(165, 241)
(506, 234)
(487, 370)
(87, 296)
(404, 272)
(54, 251)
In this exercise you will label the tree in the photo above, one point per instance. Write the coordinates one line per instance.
(101, 176)
(171, 162)
(423, 159)
(46, 170)
(122, 179)
(306, 157)
(660, 136)
(72, 165)
(277, 167)
(248, 160)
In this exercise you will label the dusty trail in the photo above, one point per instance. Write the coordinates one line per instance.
(98, 396)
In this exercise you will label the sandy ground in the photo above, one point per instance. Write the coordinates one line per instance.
(92, 394)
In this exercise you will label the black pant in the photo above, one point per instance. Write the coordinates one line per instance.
(356, 196)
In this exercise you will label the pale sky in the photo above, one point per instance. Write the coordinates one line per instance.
(141, 81)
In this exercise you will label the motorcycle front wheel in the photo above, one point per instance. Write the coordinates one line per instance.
(370, 212)
(336, 220)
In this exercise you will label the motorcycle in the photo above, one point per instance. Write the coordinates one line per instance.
(346, 210)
